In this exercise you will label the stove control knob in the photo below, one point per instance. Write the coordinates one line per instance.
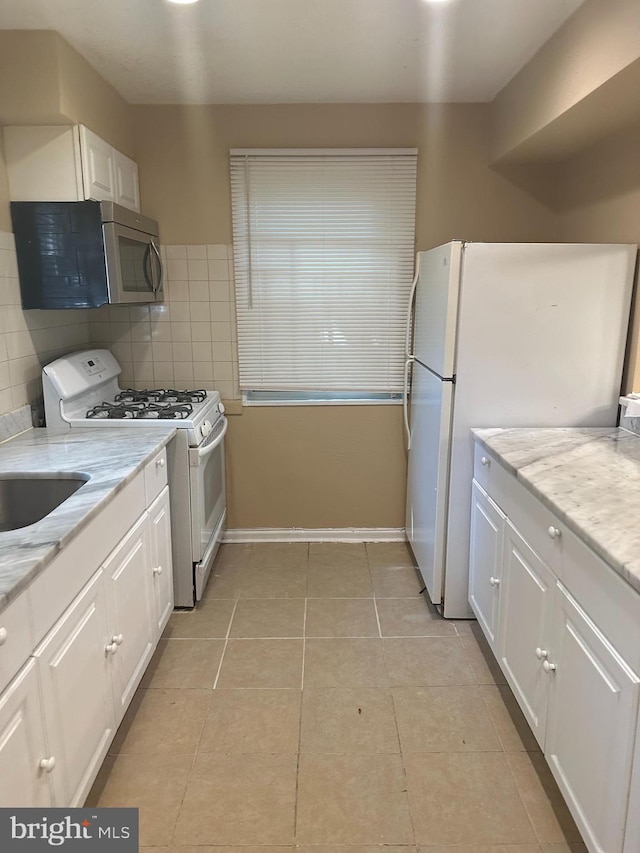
(206, 428)
(221, 408)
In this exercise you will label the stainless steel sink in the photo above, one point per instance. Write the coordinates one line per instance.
(27, 498)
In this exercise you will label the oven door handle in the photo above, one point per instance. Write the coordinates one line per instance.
(209, 448)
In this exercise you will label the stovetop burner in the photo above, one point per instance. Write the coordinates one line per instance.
(141, 410)
(160, 395)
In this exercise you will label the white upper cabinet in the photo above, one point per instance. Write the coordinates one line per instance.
(97, 160)
(126, 181)
(68, 164)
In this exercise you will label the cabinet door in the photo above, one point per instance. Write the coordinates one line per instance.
(161, 570)
(593, 705)
(76, 693)
(126, 181)
(526, 610)
(98, 168)
(23, 782)
(130, 643)
(485, 560)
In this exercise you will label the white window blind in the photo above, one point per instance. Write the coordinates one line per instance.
(323, 247)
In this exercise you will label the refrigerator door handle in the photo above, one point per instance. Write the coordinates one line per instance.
(412, 294)
(405, 399)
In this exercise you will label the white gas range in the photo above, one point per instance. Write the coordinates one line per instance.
(81, 390)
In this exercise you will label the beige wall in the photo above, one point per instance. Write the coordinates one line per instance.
(29, 77)
(5, 215)
(184, 167)
(43, 80)
(340, 466)
(580, 86)
(322, 466)
(86, 98)
(599, 200)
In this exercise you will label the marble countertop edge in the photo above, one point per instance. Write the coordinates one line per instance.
(27, 551)
(550, 463)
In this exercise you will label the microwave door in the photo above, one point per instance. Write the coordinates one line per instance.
(129, 264)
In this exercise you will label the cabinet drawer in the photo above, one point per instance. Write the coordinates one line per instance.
(539, 526)
(155, 476)
(16, 641)
(484, 466)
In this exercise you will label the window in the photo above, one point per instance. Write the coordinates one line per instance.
(323, 245)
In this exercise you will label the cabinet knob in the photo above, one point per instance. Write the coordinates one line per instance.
(541, 654)
(548, 667)
(111, 648)
(157, 570)
(553, 532)
(117, 639)
(484, 460)
(494, 581)
(160, 462)
(3, 636)
(48, 764)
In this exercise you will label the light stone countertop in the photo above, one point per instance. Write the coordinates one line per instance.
(110, 457)
(588, 477)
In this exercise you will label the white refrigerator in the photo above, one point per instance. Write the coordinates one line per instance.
(504, 335)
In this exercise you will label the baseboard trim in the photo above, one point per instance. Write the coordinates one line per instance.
(314, 534)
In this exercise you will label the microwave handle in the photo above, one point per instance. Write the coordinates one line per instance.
(148, 273)
(156, 288)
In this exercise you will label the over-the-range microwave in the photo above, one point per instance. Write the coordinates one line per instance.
(83, 254)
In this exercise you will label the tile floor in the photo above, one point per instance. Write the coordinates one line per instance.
(314, 699)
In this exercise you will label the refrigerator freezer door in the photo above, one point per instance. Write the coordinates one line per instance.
(436, 311)
(428, 475)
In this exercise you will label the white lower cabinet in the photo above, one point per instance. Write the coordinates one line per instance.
(75, 674)
(579, 693)
(24, 759)
(64, 700)
(525, 623)
(130, 642)
(593, 708)
(485, 563)
(161, 561)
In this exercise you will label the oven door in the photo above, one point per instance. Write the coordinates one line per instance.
(208, 502)
(134, 268)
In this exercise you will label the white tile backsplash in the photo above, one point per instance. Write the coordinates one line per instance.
(190, 338)
(30, 339)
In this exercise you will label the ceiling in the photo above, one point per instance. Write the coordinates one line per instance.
(300, 51)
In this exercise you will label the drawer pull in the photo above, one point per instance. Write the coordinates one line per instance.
(160, 462)
(117, 639)
(111, 648)
(3, 636)
(48, 764)
(548, 667)
(494, 581)
(484, 460)
(553, 532)
(541, 654)
(157, 570)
